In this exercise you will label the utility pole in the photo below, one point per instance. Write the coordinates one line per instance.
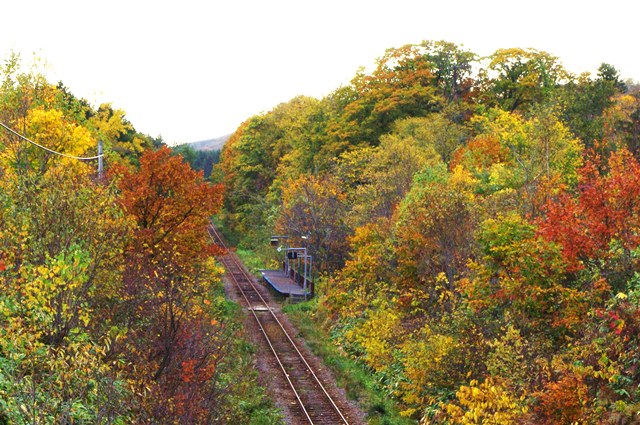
(100, 169)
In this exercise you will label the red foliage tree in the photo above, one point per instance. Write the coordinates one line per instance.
(605, 210)
(166, 282)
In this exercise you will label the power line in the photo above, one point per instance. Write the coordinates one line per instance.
(80, 158)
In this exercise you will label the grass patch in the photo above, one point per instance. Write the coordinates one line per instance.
(358, 382)
(250, 260)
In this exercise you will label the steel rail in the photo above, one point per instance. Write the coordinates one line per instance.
(213, 232)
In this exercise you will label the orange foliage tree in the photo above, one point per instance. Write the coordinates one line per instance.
(167, 270)
(600, 221)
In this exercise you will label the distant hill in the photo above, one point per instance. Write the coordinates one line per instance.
(210, 144)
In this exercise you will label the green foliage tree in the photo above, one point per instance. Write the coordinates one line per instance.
(515, 79)
(585, 103)
(452, 69)
(199, 159)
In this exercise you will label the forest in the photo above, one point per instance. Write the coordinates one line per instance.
(112, 309)
(475, 222)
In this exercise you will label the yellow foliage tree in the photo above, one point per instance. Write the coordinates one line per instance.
(487, 403)
(429, 366)
(377, 334)
(50, 129)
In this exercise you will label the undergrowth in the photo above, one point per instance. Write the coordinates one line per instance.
(358, 382)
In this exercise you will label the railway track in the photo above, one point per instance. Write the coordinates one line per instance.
(308, 399)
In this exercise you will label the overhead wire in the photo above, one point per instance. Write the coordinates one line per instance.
(80, 158)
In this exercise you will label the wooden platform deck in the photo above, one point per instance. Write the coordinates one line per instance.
(281, 283)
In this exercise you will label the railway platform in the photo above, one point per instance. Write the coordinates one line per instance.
(283, 285)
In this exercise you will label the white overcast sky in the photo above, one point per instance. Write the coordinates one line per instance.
(191, 70)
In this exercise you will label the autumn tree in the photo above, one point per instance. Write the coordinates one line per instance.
(402, 85)
(533, 153)
(20, 90)
(248, 163)
(380, 177)
(167, 267)
(444, 132)
(366, 273)
(516, 79)
(121, 140)
(483, 268)
(622, 122)
(484, 402)
(97, 288)
(303, 122)
(263, 155)
(509, 275)
(596, 227)
(433, 233)
(60, 244)
(314, 207)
